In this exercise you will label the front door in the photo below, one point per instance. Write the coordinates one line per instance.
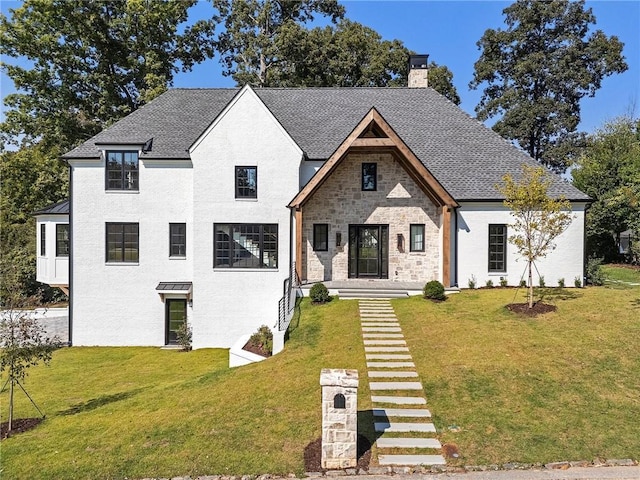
(368, 251)
(176, 316)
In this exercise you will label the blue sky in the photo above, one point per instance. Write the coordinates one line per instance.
(448, 32)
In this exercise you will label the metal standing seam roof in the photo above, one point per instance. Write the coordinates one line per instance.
(60, 208)
(174, 286)
(466, 157)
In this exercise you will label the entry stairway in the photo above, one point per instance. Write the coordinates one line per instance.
(402, 421)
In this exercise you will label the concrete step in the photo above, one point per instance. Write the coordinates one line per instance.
(387, 356)
(411, 460)
(385, 342)
(367, 314)
(392, 374)
(371, 293)
(408, 443)
(401, 412)
(381, 329)
(368, 323)
(382, 335)
(377, 348)
(393, 427)
(395, 386)
(390, 364)
(367, 318)
(399, 400)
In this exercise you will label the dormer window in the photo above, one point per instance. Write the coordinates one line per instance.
(122, 170)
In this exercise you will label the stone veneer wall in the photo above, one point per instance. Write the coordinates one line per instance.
(397, 202)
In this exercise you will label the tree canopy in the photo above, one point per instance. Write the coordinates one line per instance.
(609, 172)
(89, 63)
(536, 72)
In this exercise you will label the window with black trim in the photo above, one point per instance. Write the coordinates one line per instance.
(43, 239)
(177, 239)
(246, 182)
(122, 170)
(369, 176)
(416, 238)
(62, 240)
(320, 237)
(245, 245)
(497, 248)
(122, 241)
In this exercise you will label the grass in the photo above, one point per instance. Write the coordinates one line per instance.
(563, 386)
(621, 273)
(146, 412)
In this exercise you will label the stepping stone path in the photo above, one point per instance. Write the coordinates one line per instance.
(397, 394)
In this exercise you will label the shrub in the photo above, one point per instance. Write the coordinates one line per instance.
(561, 282)
(503, 282)
(263, 340)
(319, 293)
(577, 282)
(541, 282)
(434, 290)
(489, 283)
(472, 281)
(594, 272)
(184, 335)
(523, 283)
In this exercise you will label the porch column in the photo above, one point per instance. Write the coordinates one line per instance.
(299, 242)
(446, 246)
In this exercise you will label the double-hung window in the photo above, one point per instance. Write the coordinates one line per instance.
(43, 239)
(416, 237)
(62, 240)
(122, 242)
(369, 176)
(122, 170)
(320, 237)
(177, 239)
(246, 182)
(497, 248)
(245, 245)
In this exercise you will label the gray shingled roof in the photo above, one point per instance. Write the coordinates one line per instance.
(465, 156)
(60, 208)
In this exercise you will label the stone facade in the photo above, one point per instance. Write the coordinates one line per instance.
(398, 202)
(339, 418)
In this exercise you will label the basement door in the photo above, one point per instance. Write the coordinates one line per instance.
(176, 316)
(368, 251)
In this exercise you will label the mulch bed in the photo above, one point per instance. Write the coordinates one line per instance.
(257, 349)
(313, 455)
(19, 425)
(538, 308)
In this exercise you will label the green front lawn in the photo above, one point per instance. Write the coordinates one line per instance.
(622, 273)
(563, 386)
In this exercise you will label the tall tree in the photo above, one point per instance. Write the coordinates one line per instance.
(249, 45)
(609, 172)
(537, 70)
(89, 63)
(538, 218)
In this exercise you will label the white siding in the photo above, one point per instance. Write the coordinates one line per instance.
(51, 269)
(566, 261)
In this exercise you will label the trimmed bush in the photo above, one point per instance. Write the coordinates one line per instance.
(184, 336)
(503, 282)
(594, 272)
(434, 290)
(472, 282)
(561, 282)
(541, 281)
(577, 282)
(489, 283)
(262, 341)
(319, 293)
(523, 283)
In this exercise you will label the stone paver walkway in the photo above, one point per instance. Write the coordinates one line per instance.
(407, 436)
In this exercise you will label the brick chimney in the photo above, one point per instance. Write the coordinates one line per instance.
(418, 71)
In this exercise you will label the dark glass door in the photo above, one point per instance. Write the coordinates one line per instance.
(368, 251)
(176, 316)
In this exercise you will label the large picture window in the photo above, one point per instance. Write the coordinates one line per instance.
(122, 242)
(122, 171)
(177, 239)
(320, 237)
(369, 176)
(416, 237)
(62, 240)
(246, 182)
(497, 248)
(245, 245)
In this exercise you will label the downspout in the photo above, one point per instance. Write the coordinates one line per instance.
(585, 258)
(455, 252)
(71, 236)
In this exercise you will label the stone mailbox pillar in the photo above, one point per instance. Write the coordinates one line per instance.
(339, 418)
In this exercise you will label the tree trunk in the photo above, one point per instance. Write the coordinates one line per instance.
(530, 287)
(10, 407)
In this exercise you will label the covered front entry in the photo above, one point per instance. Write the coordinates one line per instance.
(176, 316)
(368, 251)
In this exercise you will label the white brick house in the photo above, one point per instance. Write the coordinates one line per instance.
(199, 204)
